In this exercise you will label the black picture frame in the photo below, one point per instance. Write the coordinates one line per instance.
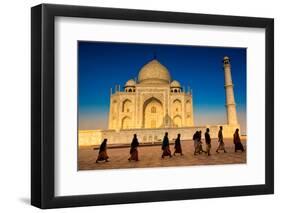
(43, 102)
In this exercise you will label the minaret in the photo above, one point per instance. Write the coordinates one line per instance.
(229, 94)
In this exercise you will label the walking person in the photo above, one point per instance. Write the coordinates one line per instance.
(134, 149)
(178, 145)
(220, 141)
(200, 147)
(103, 152)
(208, 141)
(196, 142)
(166, 146)
(237, 142)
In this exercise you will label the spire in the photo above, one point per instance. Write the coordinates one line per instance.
(229, 93)
(188, 90)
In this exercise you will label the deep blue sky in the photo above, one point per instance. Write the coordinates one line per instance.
(102, 65)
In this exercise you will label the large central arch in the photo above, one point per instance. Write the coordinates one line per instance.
(153, 113)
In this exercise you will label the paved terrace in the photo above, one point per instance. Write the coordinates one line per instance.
(150, 156)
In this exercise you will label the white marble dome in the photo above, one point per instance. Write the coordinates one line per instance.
(154, 72)
(130, 83)
(175, 84)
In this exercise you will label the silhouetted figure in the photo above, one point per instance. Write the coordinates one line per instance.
(237, 142)
(134, 149)
(166, 146)
(102, 152)
(208, 141)
(196, 139)
(200, 144)
(220, 141)
(178, 145)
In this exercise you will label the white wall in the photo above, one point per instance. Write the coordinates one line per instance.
(15, 105)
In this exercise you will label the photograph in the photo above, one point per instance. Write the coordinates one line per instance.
(144, 105)
(141, 105)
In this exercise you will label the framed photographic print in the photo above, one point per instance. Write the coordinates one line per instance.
(139, 106)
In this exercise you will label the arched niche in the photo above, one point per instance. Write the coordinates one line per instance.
(127, 106)
(153, 113)
(188, 107)
(114, 106)
(177, 120)
(176, 107)
(126, 122)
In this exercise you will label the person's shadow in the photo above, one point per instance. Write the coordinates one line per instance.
(25, 200)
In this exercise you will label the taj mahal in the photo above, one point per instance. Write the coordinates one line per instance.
(155, 103)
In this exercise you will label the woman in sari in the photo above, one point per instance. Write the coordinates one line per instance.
(178, 145)
(102, 152)
(221, 143)
(134, 150)
(200, 144)
(237, 142)
(196, 141)
(166, 146)
(208, 141)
